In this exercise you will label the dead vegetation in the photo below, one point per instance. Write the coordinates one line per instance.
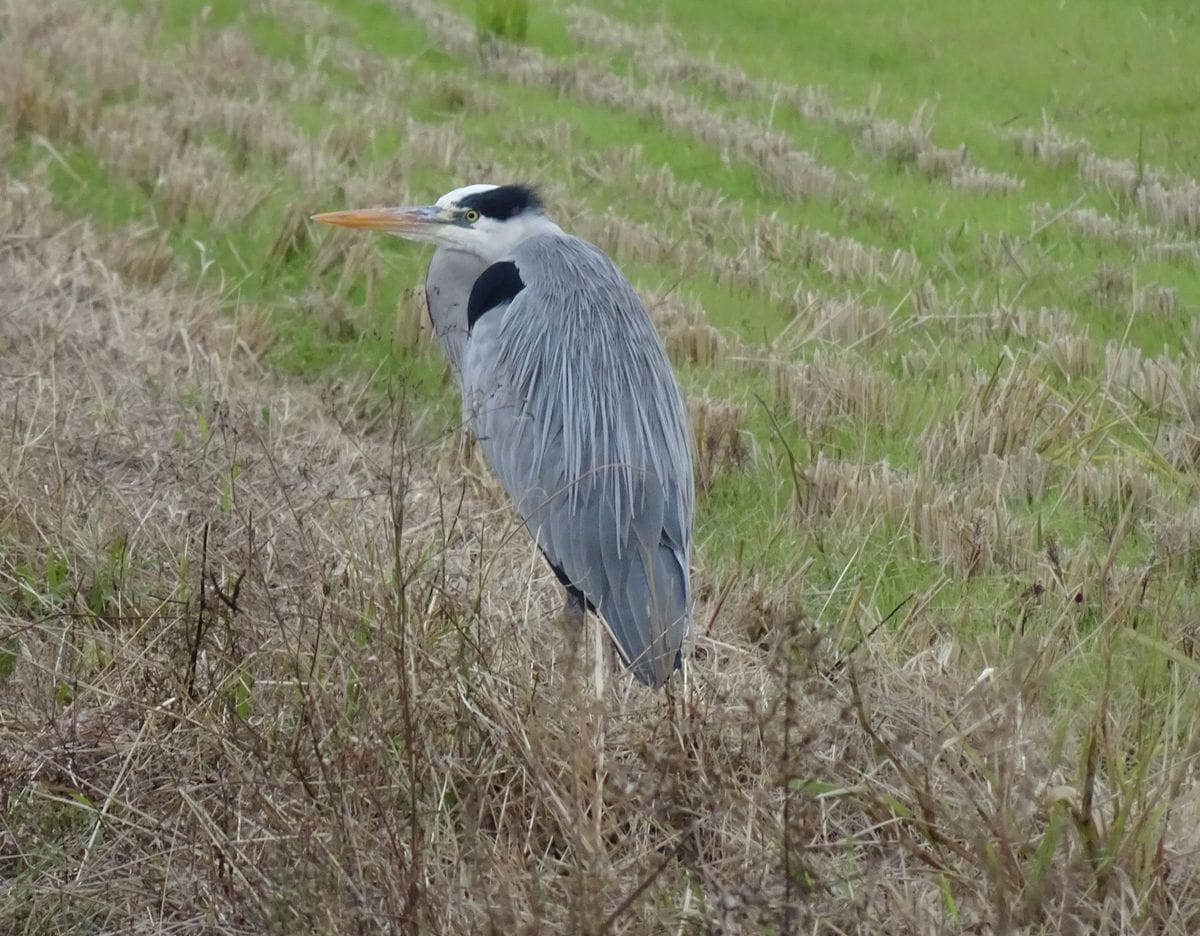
(259, 655)
(1146, 241)
(822, 390)
(760, 250)
(689, 338)
(193, 143)
(790, 171)
(1172, 203)
(656, 56)
(274, 658)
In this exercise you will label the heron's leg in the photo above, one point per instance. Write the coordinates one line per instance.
(574, 610)
(574, 619)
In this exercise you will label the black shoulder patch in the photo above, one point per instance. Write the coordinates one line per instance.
(504, 202)
(496, 285)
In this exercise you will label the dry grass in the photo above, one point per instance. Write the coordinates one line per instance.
(656, 57)
(1047, 145)
(1147, 240)
(821, 391)
(982, 182)
(761, 251)
(790, 171)
(1172, 203)
(272, 660)
(256, 656)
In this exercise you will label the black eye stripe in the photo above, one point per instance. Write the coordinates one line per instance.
(504, 202)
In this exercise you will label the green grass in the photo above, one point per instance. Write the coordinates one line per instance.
(1104, 70)
(980, 71)
(941, 478)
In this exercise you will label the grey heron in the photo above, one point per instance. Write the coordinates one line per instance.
(567, 387)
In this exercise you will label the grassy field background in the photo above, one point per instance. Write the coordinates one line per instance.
(274, 654)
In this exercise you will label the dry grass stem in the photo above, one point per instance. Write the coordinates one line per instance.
(276, 655)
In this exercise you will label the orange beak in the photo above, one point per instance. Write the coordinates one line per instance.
(403, 222)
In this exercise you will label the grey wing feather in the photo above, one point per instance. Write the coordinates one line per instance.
(570, 393)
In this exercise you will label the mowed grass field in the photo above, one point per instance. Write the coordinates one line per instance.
(275, 655)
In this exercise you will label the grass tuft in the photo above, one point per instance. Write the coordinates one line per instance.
(275, 654)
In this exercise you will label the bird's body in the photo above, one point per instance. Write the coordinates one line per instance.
(570, 394)
(568, 389)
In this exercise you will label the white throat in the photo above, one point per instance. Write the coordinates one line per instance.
(498, 239)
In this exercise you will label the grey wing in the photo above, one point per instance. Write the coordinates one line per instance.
(448, 285)
(583, 454)
(633, 570)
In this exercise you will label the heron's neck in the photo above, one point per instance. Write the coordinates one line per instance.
(516, 231)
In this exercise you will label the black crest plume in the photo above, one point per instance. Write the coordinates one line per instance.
(504, 202)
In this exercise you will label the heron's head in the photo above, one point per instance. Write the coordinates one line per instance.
(485, 220)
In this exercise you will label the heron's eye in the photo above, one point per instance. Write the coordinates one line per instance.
(472, 216)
